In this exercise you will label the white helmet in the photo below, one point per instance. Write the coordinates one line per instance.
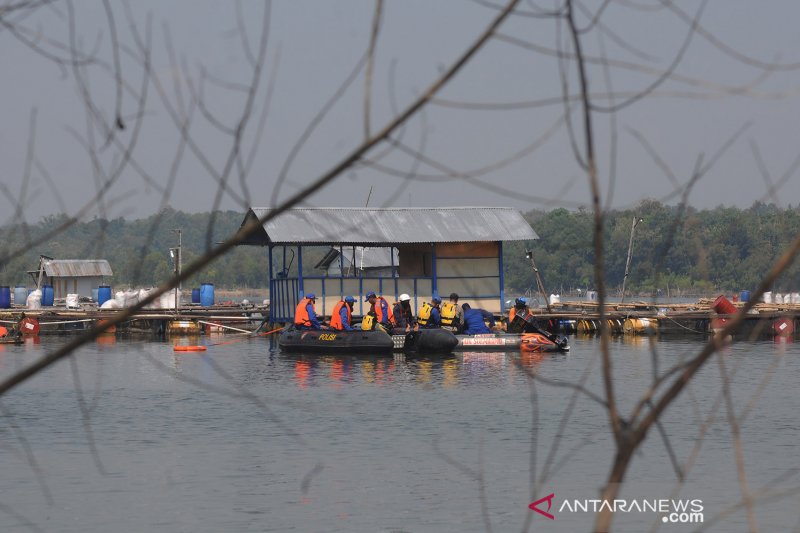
(404, 297)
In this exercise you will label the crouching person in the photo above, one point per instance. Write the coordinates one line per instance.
(475, 320)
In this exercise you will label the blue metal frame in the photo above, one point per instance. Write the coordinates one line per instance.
(502, 277)
(434, 284)
(286, 292)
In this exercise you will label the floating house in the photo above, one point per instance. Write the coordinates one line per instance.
(72, 276)
(439, 251)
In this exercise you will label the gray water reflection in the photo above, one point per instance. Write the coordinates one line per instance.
(245, 438)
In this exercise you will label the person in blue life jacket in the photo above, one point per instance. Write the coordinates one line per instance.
(429, 315)
(475, 320)
(305, 316)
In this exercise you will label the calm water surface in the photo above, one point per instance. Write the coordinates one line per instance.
(134, 437)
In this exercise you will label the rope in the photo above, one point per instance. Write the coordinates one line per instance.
(245, 338)
(684, 327)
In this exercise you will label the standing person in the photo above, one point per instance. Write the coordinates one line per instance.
(403, 314)
(305, 316)
(380, 309)
(475, 320)
(430, 316)
(342, 315)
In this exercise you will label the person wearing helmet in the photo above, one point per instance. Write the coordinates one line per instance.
(342, 315)
(305, 316)
(403, 314)
(520, 308)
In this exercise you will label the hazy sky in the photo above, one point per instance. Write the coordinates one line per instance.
(502, 120)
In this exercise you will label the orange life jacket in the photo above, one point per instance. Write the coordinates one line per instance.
(513, 312)
(379, 311)
(336, 315)
(301, 313)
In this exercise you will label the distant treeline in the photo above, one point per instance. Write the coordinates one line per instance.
(675, 251)
(138, 250)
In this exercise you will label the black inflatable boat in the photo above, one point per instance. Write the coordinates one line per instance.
(429, 341)
(332, 341)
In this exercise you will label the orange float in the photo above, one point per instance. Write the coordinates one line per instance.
(182, 348)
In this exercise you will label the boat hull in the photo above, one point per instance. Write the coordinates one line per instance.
(429, 341)
(531, 342)
(331, 341)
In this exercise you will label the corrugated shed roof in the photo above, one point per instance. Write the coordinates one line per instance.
(77, 268)
(353, 225)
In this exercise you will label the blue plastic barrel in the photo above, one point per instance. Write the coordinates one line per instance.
(5, 297)
(745, 296)
(21, 295)
(207, 294)
(195, 296)
(103, 294)
(47, 295)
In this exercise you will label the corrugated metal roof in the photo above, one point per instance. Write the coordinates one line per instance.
(353, 225)
(77, 268)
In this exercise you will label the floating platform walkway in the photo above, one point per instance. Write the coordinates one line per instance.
(568, 317)
(643, 318)
(191, 319)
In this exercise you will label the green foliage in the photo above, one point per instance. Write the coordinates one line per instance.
(675, 251)
(138, 250)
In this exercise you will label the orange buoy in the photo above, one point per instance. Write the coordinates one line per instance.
(3, 331)
(182, 348)
(110, 329)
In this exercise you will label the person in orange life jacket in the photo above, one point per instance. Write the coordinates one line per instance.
(379, 308)
(435, 319)
(475, 320)
(342, 314)
(403, 314)
(520, 308)
(305, 316)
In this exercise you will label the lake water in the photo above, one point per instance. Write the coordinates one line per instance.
(130, 436)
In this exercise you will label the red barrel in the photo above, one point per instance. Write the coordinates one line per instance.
(783, 327)
(29, 326)
(723, 306)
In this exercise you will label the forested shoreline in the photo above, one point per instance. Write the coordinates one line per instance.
(676, 251)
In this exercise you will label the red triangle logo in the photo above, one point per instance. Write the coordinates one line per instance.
(549, 500)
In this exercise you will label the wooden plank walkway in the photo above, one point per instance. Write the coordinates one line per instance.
(63, 320)
(648, 318)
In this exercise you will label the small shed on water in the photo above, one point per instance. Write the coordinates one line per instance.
(72, 276)
(439, 251)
